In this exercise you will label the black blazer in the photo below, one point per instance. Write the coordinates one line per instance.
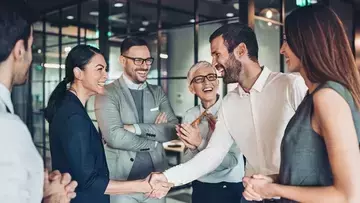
(76, 147)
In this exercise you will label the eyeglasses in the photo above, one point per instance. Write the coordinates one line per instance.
(201, 78)
(140, 61)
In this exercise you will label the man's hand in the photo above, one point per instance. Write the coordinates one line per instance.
(58, 188)
(189, 133)
(159, 184)
(161, 118)
(130, 128)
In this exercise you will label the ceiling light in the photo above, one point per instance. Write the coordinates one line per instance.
(39, 51)
(269, 14)
(192, 21)
(53, 65)
(94, 13)
(145, 23)
(236, 6)
(229, 15)
(70, 17)
(67, 49)
(164, 56)
(118, 5)
(142, 29)
(269, 23)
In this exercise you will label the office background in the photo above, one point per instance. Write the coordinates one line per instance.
(176, 30)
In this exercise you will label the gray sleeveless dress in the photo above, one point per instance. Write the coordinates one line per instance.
(304, 158)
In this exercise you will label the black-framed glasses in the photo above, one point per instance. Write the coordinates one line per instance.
(140, 61)
(201, 78)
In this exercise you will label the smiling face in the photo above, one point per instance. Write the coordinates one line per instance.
(226, 63)
(131, 61)
(201, 86)
(292, 61)
(94, 75)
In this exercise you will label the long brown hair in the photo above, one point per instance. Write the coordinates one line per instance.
(317, 37)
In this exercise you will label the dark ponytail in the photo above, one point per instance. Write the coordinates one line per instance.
(79, 57)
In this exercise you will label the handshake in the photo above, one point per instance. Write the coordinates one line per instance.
(159, 185)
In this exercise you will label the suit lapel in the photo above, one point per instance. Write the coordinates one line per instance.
(128, 97)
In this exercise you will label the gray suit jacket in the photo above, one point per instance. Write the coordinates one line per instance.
(115, 109)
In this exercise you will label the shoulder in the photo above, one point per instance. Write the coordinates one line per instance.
(328, 100)
(230, 96)
(191, 114)
(155, 88)
(287, 79)
(328, 95)
(14, 129)
(110, 89)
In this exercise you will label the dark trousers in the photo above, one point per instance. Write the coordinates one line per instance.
(223, 192)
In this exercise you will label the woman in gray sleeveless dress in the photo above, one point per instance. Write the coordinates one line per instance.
(320, 156)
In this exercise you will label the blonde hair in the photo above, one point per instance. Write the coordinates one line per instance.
(196, 66)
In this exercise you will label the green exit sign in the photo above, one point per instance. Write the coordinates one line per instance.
(302, 3)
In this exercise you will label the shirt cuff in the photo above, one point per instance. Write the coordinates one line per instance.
(171, 177)
(202, 145)
(137, 129)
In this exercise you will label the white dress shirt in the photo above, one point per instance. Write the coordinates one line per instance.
(21, 166)
(231, 168)
(255, 120)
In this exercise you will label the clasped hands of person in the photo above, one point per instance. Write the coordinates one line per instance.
(259, 187)
(58, 188)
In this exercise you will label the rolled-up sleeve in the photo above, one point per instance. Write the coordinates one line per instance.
(77, 146)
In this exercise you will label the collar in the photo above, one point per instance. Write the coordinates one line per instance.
(132, 85)
(214, 108)
(259, 83)
(5, 97)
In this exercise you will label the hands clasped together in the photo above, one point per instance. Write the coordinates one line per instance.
(58, 188)
(259, 187)
(159, 185)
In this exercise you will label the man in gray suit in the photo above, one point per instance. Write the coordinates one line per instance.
(135, 118)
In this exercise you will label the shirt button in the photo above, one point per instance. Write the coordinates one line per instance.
(131, 159)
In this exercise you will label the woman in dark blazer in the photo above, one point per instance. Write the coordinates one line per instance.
(76, 146)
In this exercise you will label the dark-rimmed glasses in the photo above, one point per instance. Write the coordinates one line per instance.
(201, 78)
(140, 61)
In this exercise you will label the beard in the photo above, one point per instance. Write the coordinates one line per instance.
(232, 69)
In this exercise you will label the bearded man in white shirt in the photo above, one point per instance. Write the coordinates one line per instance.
(254, 114)
(224, 184)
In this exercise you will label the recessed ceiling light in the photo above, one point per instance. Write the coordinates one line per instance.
(94, 13)
(236, 6)
(164, 56)
(39, 51)
(70, 17)
(145, 23)
(118, 5)
(229, 15)
(142, 29)
(192, 21)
